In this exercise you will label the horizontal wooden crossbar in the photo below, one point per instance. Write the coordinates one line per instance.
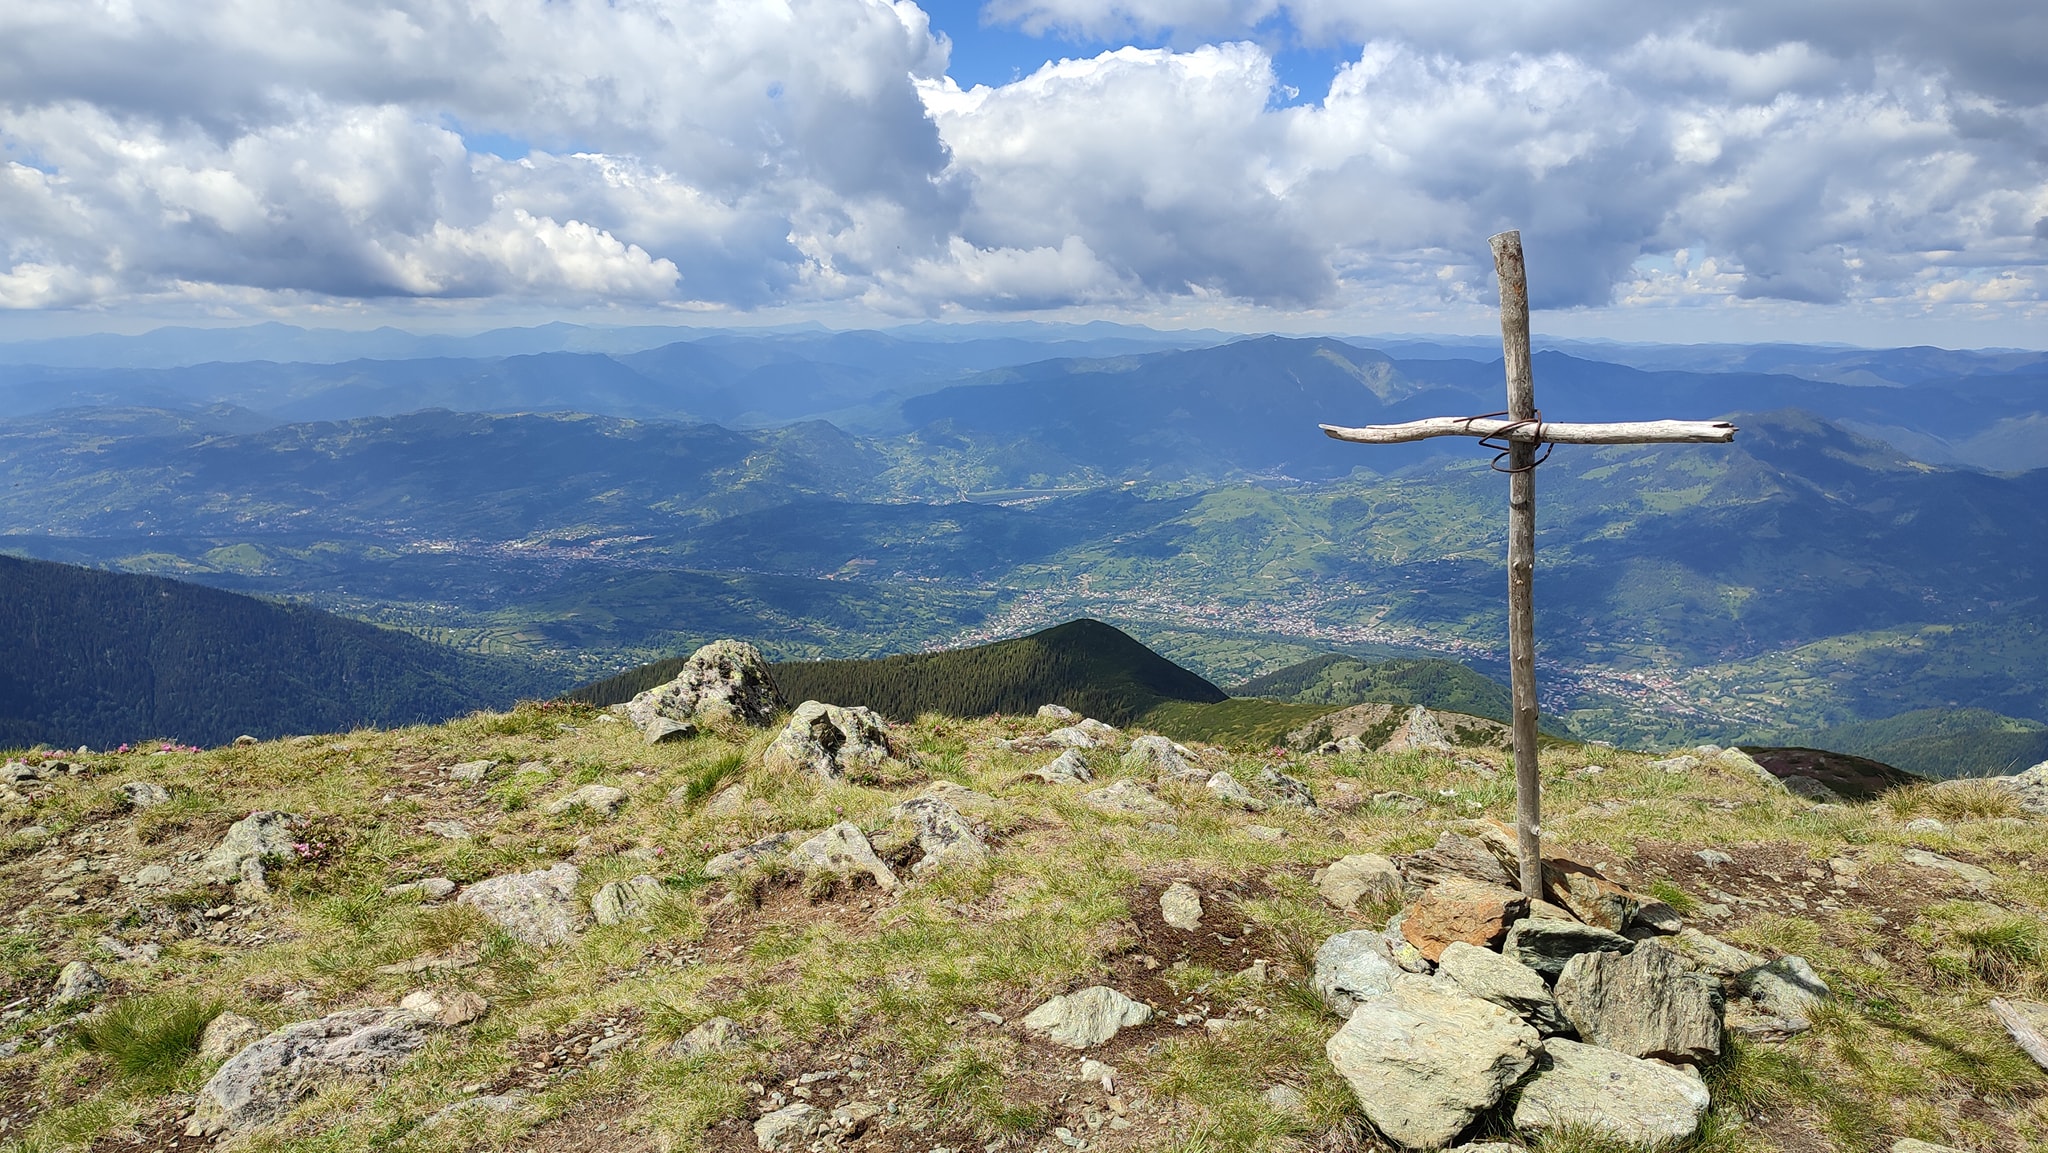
(1625, 432)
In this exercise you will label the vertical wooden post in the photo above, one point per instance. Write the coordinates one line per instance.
(1514, 339)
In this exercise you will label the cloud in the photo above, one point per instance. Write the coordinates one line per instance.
(748, 154)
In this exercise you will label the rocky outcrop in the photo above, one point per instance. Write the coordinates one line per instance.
(1087, 1018)
(1461, 910)
(1419, 733)
(1127, 796)
(258, 838)
(617, 902)
(1351, 969)
(829, 741)
(1645, 1003)
(266, 1079)
(725, 681)
(1778, 998)
(538, 908)
(1504, 981)
(946, 837)
(602, 800)
(1069, 768)
(1633, 1101)
(1425, 1060)
(1162, 760)
(842, 850)
(1087, 733)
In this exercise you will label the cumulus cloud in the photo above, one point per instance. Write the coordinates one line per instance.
(756, 153)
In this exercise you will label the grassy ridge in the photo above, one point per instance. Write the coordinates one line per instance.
(1336, 679)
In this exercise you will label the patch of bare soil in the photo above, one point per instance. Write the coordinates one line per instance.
(21, 1100)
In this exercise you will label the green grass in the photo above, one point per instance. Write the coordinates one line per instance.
(149, 1039)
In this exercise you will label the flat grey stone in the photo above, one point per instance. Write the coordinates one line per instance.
(1645, 1003)
(1424, 1060)
(1181, 907)
(77, 983)
(1504, 981)
(842, 850)
(1069, 768)
(1352, 968)
(145, 794)
(617, 902)
(1087, 1018)
(267, 1078)
(1545, 944)
(1127, 796)
(538, 908)
(603, 800)
(1634, 1101)
(1777, 998)
(1226, 788)
(260, 837)
(786, 1129)
(1161, 759)
(1348, 880)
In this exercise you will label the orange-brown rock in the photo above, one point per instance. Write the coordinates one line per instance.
(1591, 897)
(1461, 910)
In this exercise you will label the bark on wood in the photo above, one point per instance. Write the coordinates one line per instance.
(1514, 339)
(2023, 1031)
(1624, 432)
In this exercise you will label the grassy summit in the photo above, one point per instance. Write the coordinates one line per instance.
(909, 1000)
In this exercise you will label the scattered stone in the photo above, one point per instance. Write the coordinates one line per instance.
(1057, 712)
(1265, 833)
(1348, 880)
(243, 741)
(483, 1103)
(1225, 788)
(1087, 1018)
(1088, 733)
(1351, 969)
(227, 1035)
(1181, 907)
(1286, 1100)
(665, 731)
(726, 864)
(145, 953)
(1419, 732)
(1778, 998)
(1425, 1060)
(447, 830)
(1711, 955)
(1285, 790)
(1656, 917)
(1635, 1102)
(605, 1045)
(1127, 796)
(262, 1082)
(145, 794)
(617, 902)
(1402, 801)
(430, 888)
(1504, 981)
(1925, 825)
(445, 1008)
(1971, 875)
(717, 1035)
(260, 836)
(1647, 1003)
(1456, 855)
(1545, 944)
(1348, 746)
(1713, 858)
(725, 681)
(2027, 1023)
(538, 908)
(1161, 759)
(1098, 1073)
(77, 983)
(151, 876)
(829, 741)
(1461, 910)
(786, 1129)
(603, 800)
(1742, 762)
(842, 850)
(945, 836)
(1066, 769)
(1683, 763)
(1910, 1145)
(470, 772)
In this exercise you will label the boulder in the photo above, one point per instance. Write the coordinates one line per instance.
(1545, 944)
(1646, 1003)
(470, 772)
(77, 983)
(259, 837)
(1591, 897)
(786, 1129)
(1087, 733)
(1777, 998)
(1456, 855)
(1420, 733)
(1407, 956)
(1348, 880)
(145, 794)
(617, 902)
(1633, 1101)
(538, 908)
(946, 837)
(1351, 969)
(725, 680)
(1069, 768)
(717, 1035)
(227, 1035)
(266, 1079)
(1181, 907)
(1744, 764)
(1461, 910)
(829, 741)
(1057, 712)
(842, 850)
(1712, 955)
(1286, 791)
(1161, 759)
(1505, 982)
(1127, 796)
(1225, 788)
(603, 800)
(1087, 1018)
(1425, 1060)
(728, 863)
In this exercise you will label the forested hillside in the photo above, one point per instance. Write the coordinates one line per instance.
(104, 658)
(1086, 665)
(1335, 679)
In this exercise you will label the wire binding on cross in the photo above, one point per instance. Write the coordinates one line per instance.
(1505, 448)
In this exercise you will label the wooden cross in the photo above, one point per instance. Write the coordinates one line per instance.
(1517, 436)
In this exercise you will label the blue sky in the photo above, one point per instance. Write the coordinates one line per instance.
(1873, 171)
